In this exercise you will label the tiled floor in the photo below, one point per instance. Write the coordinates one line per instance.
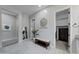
(61, 45)
(29, 47)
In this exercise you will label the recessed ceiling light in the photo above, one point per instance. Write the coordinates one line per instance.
(39, 5)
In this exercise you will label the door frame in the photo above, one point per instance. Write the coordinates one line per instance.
(69, 28)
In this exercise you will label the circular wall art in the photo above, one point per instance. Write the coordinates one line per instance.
(43, 22)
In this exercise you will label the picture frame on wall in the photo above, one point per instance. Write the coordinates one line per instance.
(43, 23)
(6, 27)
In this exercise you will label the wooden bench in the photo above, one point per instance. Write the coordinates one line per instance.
(42, 42)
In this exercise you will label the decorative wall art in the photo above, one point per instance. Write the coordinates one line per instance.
(7, 22)
(6, 27)
(43, 23)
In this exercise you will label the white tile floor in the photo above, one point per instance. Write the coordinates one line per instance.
(29, 47)
(61, 45)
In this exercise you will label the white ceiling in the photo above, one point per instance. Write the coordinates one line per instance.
(28, 9)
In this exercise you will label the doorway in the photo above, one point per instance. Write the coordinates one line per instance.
(62, 29)
(63, 34)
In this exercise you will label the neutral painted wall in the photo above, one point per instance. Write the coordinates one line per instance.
(4, 35)
(74, 29)
(62, 18)
(8, 34)
(18, 24)
(22, 21)
(62, 22)
(47, 33)
(25, 23)
(75, 17)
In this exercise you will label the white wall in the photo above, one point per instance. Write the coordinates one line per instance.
(25, 23)
(62, 22)
(22, 21)
(47, 33)
(75, 17)
(74, 29)
(62, 18)
(12, 33)
(59, 20)
(10, 20)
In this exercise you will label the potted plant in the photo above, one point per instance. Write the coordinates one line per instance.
(34, 31)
